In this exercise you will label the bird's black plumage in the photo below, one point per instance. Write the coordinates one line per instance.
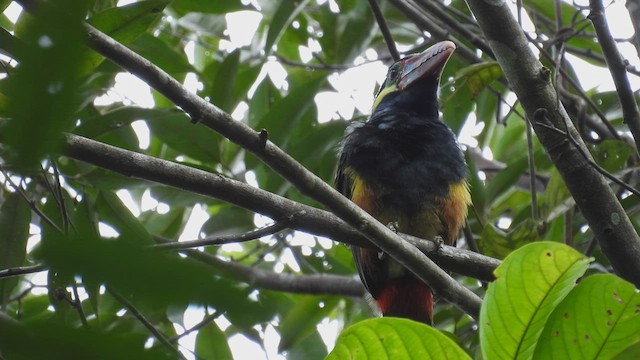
(404, 166)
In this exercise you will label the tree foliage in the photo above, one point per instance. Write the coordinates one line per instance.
(97, 192)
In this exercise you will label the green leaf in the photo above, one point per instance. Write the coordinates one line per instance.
(504, 180)
(206, 24)
(124, 24)
(556, 199)
(612, 155)
(212, 7)
(477, 77)
(497, 243)
(598, 319)
(168, 225)
(348, 35)
(222, 94)
(15, 216)
(529, 284)
(312, 347)
(154, 278)
(301, 320)
(285, 115)
(394, 338)
(211, 343)
(186, 138)
(112, 120)
(161, 54)
(113, 211)
(58, 342)
(227, 219)
(284, 15)
(40, 98)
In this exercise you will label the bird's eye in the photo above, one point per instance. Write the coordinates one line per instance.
(394, 71)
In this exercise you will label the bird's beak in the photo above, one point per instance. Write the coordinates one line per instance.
(428, 63)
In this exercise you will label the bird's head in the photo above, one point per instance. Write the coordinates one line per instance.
(411, 84)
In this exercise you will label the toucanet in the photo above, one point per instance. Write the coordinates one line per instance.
(404, 167)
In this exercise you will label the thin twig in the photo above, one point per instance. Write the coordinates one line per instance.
(226, 239)
(204, 322)
(579, 89)
(31, 203)
(384, 29)
(532, 171)
(22, 270)
(77, 304)
(143, 320)
(587, 158)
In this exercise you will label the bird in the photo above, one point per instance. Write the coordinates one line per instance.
(405, 167)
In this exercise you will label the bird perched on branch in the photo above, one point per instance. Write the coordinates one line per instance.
(404, 167)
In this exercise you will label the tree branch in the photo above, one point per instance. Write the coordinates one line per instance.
(305, 181)
(297, 216)
(384, 29)
(143, 320)
(22, 270)
(633, 7)
(531, 83)
(618, 69)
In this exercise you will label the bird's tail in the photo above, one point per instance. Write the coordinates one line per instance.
(407, 297)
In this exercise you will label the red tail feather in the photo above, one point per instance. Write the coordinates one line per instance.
(407, 297)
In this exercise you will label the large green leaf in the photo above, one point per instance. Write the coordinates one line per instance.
(124, 24)
(222, 94)
(498, 243)
(58, 342)
(599, 319)
(287, 113)
(161, 54)
(395, 339)
(211, 343)
(284, 15)
(40, 98)
(506, 178)
(155, 278)
(301, 320)
(113, 211)
(529, 284)
(347, 35)
(186, 138)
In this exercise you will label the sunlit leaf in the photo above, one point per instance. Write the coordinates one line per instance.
(392, 338)
(598, 319)
(529, 284)
(211, 343)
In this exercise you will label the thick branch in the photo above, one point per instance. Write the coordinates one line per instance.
(633, 7)
(297, 216)
(618, 69)
(308, 183)
(531, 83)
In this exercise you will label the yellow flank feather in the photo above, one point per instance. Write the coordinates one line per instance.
(361, 194)
(454, 209)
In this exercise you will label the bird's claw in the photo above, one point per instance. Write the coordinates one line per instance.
(393, 226)
(439, 242)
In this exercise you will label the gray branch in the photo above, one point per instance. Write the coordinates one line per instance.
(531, 83)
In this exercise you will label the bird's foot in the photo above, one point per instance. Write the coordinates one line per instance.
(393, 226)
(439, 242)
